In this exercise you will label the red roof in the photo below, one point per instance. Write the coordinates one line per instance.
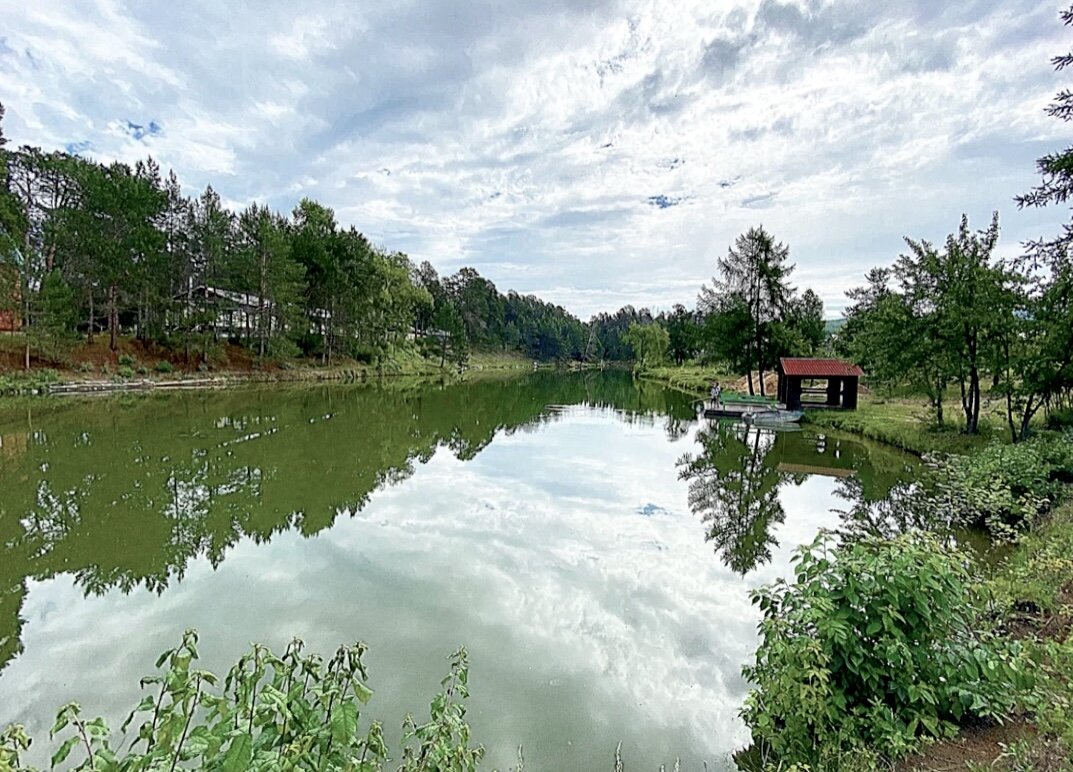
(820, 368)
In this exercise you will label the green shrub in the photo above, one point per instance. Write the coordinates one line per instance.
(289, 712)
(1002, 487)
(84, 367)
(125, 371)
(126, 360)
(875, 645)
(164, 366)
(1060, 419)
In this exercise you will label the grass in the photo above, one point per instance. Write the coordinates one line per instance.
(902, 421)
(18, 383)
(499, 360)
(695, 379)
(1038, 575)
(80, 361)
(905, 423)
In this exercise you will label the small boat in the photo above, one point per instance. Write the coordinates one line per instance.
(773, 416)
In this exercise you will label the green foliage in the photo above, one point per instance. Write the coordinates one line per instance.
(126, 359)
(875, 645)
(1040, 569)
(289, 712)
(1060, 419)
(943, 323)
(121, 247)
(125, 371)
(684, 333)
(53, 314)
(17, 383)
(649, 343)
(752, 316)
(1003, 487)
(164, 366)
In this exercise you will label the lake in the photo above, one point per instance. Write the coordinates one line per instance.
(590, 542)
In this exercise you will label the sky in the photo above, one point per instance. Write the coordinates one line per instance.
(594, 152)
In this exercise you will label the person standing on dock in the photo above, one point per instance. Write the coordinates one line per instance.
(717, 394)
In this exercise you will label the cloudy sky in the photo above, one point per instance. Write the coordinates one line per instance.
(595, 152)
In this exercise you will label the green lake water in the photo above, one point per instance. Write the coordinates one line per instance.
(589, 541)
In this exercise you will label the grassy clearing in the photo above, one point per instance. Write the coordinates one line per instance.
(903, 422)
(906, 424)
(694, 379)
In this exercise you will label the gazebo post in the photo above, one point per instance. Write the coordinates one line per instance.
(834, 391)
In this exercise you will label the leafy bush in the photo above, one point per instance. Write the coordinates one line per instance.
(1060, 419)
(289, 712)
(125, 371)
(164, 366)
(875, 645)
(1002, 487)
(126, 360)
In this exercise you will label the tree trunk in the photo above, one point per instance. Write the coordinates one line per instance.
(89, 329)
(974, 386)
(113, 319)
(939, 402)
(749, 368)
(263, 290)
(26, 336)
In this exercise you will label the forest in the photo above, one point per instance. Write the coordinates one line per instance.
(110, 249)
(91, 249)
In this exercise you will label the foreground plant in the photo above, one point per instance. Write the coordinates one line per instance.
(295, 712)
(875, 646)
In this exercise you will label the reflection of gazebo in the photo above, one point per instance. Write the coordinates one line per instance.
(798, 383)
(826, 471)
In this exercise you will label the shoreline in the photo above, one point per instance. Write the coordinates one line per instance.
(894, 422)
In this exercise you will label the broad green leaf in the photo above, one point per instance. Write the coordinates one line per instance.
(64, 751)
(239, 754)
(344, 723)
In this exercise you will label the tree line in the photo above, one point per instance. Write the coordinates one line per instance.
(749, 317)
(89, 248)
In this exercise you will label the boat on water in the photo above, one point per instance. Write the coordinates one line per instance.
(777, 416)
(759, 414)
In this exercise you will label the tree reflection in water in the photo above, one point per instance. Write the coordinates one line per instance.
(734, 489)
(735, 478)
(126, 493)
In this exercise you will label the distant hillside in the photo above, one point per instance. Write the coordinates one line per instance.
(831, 326)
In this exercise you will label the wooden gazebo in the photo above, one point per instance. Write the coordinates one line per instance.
(799, 383)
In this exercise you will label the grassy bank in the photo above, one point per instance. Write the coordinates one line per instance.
(144, 364)
(693, 379)
(1032, 594)
(903, 422)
